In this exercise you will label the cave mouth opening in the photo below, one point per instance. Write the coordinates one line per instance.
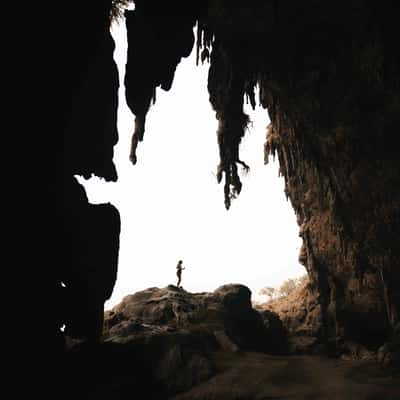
(172, 207)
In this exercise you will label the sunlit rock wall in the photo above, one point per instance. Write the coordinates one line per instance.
(329, 76)
(335, 118)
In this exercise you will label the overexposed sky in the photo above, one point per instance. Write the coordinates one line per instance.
(172, 207)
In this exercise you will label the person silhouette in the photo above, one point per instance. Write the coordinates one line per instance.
(179, 269)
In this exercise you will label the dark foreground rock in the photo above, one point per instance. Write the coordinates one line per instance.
(164, 341)
(171, 344)
(300, 315)
(255, 376)
(226, 315)
(389, 353)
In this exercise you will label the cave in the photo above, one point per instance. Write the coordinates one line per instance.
(171, 200)
(328, 76)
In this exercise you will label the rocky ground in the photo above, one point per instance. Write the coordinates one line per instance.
(166, 343)
(259, 376)
(300, 313)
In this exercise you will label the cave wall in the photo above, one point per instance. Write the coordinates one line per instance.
(328, 74)
(86, 241)
(334, 130)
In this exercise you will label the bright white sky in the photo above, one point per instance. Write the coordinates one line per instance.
(172, 207)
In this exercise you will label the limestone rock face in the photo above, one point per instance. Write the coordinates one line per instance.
(334, 110)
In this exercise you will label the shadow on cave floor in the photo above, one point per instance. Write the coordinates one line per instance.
(258, 376)
(238, 376)
(167, 343)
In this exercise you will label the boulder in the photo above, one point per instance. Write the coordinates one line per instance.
(175, 334)
(228, 311)
(277, 333)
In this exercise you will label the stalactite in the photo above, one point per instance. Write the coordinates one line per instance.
(204, 39)
(199, 38)
(226, 85)
(151, 37)
(229, 136)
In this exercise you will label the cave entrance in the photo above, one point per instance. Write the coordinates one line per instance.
(172, 207)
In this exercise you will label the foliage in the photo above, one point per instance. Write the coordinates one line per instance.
(268, 291)
(285, 289)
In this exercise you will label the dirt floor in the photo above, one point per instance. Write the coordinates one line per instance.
(255, 376)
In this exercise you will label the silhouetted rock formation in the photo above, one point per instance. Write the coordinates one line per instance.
(89, 101)
(173, 338)
(157, 40)
(89, 87)
(225, 315)
(76, 243)
(90, 266)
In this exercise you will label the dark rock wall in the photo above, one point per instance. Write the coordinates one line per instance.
(159, 35)
(90, 265)
(86, 241)
(90, 83)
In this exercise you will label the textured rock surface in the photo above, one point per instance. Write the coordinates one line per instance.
(328, 75)
(326, 99)
(255, 376)
(226, 316)
(333, 104)
(168, 340)
(389, 353)
(300, 314)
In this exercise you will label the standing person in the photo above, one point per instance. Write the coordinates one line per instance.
(179, 269)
